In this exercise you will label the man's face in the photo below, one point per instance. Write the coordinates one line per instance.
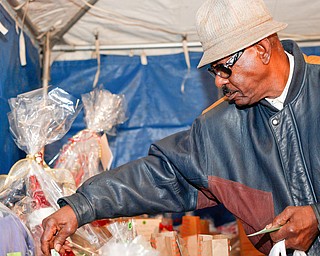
(246, 85)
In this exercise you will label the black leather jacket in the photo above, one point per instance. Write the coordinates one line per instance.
(255, 160)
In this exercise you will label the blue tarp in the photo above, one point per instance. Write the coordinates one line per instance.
(14, 79)
(156, 105)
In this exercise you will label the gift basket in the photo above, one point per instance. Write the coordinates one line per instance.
(14, 236)
(30, 190)
(124, 241)
(87, 153)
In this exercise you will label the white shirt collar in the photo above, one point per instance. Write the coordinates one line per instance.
(278, 102)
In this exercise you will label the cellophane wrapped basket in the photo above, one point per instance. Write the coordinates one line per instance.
(82, 154)
(31, 189)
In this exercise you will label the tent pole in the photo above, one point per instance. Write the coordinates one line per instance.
(46, 63)
(75, 48)
(66, 48)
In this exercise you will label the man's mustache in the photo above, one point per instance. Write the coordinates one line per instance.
(226, 90)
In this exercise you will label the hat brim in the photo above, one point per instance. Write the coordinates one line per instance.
(233, 44)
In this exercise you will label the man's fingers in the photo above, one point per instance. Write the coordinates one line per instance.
(299, 227)
(67, 246)
(50, 229)
(57, 228)
(60, 239)
(279, 234)
(283, 217)
(45, 247)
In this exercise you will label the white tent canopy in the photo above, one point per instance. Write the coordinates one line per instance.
(142, 24)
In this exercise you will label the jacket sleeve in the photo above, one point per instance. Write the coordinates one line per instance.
(154, 184)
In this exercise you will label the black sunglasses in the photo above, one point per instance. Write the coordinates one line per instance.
(224, 70)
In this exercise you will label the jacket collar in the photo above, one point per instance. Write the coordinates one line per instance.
(298, 73)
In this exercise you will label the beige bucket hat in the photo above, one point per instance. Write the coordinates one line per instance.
(227, 26)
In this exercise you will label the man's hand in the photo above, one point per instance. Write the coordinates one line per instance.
(57, 228)
(299, 227)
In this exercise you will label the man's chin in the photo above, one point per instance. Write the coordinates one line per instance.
(240, 102)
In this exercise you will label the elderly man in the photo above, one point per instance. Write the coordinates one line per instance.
(257, 152)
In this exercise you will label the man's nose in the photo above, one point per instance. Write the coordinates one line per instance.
(220, 81)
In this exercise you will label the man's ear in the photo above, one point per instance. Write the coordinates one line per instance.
(264, 50)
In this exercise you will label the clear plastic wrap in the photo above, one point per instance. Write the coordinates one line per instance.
(82, 155)
(125, 242)
(31, 194)
(37, 119)
(3, 178)
(104, 110)
(14, 236)
(30, 189)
